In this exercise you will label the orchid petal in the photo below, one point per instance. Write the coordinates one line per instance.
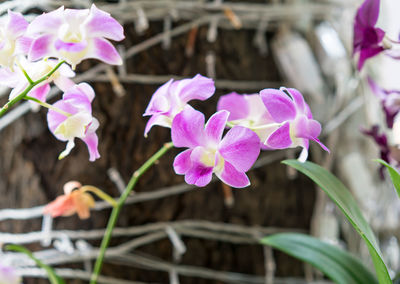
(368, 53)
(157, 119)
(199, 174)
(68, 148)
(240, 147)
(280, 138)
(197, 88)
(232, 177)
(368, 13)
(307, 128)
(215, 126)
(16, 25)
(101, 24)
(103, 50)
(91, 140)
(182, 162)
(47, 22)
(187, 128)
(159, 101)
(40, 92)
(236, 104)
(41, 47)
(278, 104)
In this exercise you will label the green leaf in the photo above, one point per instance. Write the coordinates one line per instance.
(53, 277)
(394, 175)
(345, 201)
(337, 264)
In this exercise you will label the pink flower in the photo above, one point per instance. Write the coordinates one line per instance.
(229, 157)
(293, 122)
(74, 200)
(12, 39)
(172, 97)
(71, 117)
(368, 39)
(74, 35)
(390, 100)
(15, 78)
(248, 111)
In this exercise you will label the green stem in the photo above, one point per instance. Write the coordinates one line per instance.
(49, 106)
(31, 85)
(116, 210)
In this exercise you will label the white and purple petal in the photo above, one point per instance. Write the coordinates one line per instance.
(236, 104)
(187, 128)
(182, 162)
(101, 24)
(232, 177)
(240, 147)
(280, 138)
(278, 104)
(196, 88)
(103, 50)
(215, 127)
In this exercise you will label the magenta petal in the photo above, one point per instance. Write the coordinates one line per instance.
(199, 174)
(280, 138)
(187, 128)
(91, 140)
(40, 47)
(368, 13)
(236, 105)
(278, 104)
(233, 177)
(321, 144)
(215, 126)
(298, 99)
(197, 88)
(368, 53)
(103, 50)
(182, 162)
(101, 24)
(16, 24)
(307, 128)
(240, 147)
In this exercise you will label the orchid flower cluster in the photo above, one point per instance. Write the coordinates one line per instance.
(47, 50)
(370, 41)
(272, 119)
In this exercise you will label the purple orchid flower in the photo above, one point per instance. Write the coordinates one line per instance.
(74, 35)
(293, 122)
(13, 40)
(71, 117)
(172, 97)
(15, 78)
(248, 111)
(8, 275)
(229, 157)
(390, 100)
(368, 39)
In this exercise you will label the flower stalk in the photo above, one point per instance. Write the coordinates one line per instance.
(31, 85)
(116, 210)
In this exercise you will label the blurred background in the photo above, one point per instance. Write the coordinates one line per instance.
(170, 232)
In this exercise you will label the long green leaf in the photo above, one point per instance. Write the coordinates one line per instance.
(345, 201)
(53, 277)
(394, 175)
(337, 264)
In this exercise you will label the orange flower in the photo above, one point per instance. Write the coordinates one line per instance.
(76, 199)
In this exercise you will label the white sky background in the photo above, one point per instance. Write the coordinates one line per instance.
(389, 69)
